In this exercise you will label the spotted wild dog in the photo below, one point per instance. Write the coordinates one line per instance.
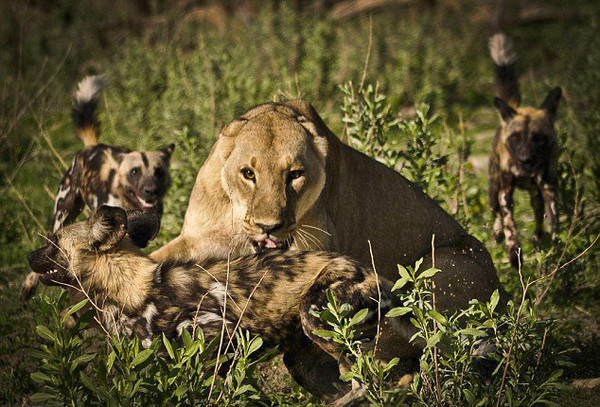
(524, 152)
(101, 174)
(271, 294)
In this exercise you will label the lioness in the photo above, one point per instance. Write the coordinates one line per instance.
(278, 178)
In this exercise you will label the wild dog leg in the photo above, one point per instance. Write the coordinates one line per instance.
(511, 236)
(537, 203)
(493, 190)
(548, 191)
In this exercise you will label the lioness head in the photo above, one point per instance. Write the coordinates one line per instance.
(273, 169)
(144, 176)
(528, 133)
(73, 251)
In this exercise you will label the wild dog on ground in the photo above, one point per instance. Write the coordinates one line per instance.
(271, 294)
(101, 174)
(524, 153)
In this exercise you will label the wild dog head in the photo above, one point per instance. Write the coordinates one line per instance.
(273, 170)
(77, 250)
(527, 134)
(144, 176)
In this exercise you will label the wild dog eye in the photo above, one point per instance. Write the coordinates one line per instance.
(159, 172)
(295, 175)
(134, 171)
(248, 174)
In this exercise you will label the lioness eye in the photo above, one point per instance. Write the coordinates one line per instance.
(134, 171)
(248, 174)
(295, 175)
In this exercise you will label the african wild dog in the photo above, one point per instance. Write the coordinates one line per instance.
(270, 294)
(101, 174)
(524, 152)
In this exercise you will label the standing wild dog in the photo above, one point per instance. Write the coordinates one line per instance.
(524, 152)
(101, 174)
(270, 294)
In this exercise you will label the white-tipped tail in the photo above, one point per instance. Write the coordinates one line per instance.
(89, 89)
(501, 50)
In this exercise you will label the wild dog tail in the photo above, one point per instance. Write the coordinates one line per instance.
(505, 61)
(84, 116)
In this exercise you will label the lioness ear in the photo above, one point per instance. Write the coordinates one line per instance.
(107, 227)
(551, 102)
(232, 129)
(142, 226)
(228, 135)
(312, 122)
(506, 112)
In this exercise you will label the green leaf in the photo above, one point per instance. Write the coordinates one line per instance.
(255, 345)
(494, 300)
(45, 333)
(168, 346)
(37, 353)
(85, 358)
(141, 357)
(40, 377)
(432, 341)
(472, 332)
(324, 334)
(244, 389)
(331, 298)
(347, 376)
(404, 274)
(398, 312)
(428, 273)
(75, 308)
(359, 317)
(41, 398)
(181, 390)
(391, 364)
(400, 283)
(437, 317)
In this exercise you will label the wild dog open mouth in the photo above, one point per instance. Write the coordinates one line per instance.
(48, 272)
(142, 202)
(270, 244)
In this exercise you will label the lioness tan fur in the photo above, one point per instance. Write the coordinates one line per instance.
(277, 175)
(341, 200)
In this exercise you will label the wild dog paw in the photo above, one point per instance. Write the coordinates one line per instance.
(498, 231)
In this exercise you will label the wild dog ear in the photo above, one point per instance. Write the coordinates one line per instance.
(107, 227)
(551, 102)
(168, 150)
(506, 112)
(142, 226)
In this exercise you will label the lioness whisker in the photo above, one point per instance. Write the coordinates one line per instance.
(314, 227)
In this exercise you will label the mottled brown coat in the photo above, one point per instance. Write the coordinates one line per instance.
(524, 153)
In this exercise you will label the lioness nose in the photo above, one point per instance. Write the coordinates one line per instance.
(268, 228)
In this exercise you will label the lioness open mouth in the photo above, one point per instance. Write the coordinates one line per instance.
(270, 244)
